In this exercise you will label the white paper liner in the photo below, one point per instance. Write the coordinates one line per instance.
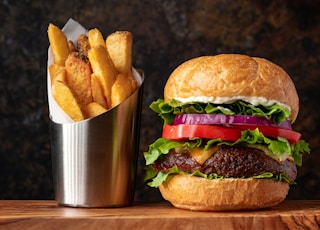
(72, 30)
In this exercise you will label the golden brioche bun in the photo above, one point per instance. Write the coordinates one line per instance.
(199, 194)
(233, 76)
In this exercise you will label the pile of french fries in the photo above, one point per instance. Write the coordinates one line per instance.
(93, 74)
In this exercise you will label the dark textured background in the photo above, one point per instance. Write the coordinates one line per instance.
(166, 33)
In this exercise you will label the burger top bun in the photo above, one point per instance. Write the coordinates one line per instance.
(226, 78)
(200, 194)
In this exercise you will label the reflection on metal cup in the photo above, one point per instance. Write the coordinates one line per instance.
(94, 161)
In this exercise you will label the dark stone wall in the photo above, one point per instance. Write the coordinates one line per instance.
(166, 33)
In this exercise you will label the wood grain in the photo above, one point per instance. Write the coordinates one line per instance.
(49, 215)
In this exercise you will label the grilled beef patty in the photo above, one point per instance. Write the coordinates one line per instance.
(229, 161)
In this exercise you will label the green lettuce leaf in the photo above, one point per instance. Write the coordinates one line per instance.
(157, 178)
(168, 110)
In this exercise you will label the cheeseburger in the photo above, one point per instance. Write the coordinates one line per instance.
(227, 140)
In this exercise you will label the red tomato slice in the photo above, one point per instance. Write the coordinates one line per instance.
(179, 132)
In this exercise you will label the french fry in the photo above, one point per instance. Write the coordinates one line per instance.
(119, 46)
(83, 44)
(66, 100)
(103, 68)
(61, 76)
(134, 83)
(59, 44)
(97, 91)
(78, 77)
(95, 38)
(121, 89)
(72, 47)
(94, 109)
(54, 70)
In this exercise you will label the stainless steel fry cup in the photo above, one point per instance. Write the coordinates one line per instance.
(94, 161)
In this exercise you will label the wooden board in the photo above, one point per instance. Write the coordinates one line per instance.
(49, 215)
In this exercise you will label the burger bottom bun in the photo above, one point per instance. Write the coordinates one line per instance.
(196, 193)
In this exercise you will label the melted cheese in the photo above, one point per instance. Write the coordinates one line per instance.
(198, 154)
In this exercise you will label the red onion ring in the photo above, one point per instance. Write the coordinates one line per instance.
(222, 119)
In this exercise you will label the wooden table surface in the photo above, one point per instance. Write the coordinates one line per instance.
(28, 214)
